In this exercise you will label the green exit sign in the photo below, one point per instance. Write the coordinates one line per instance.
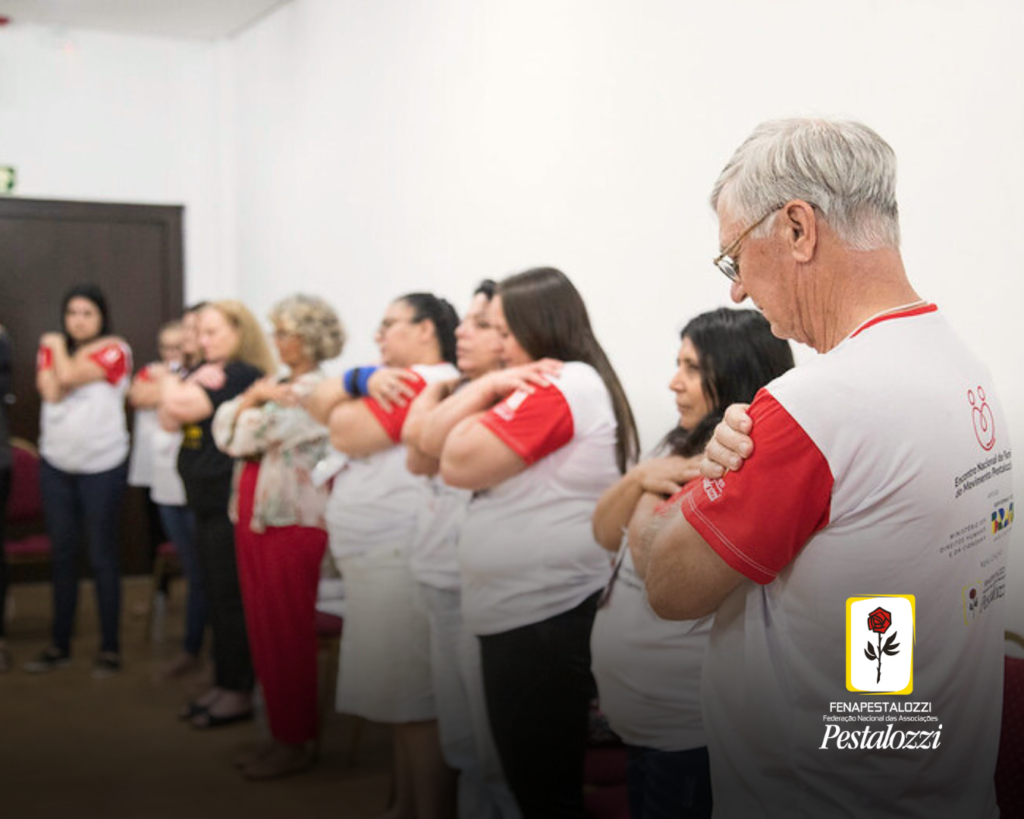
(8, 176)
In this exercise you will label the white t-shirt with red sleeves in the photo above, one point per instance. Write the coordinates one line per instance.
(85, 432)
(647, 669)
(880, 469)
(376, 500)
(527, 549)
(435, 552)
(140, 461)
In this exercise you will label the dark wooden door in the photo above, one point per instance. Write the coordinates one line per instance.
(134, 254)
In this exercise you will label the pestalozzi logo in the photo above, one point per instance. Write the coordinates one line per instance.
(880, 637)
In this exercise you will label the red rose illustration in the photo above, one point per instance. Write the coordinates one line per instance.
(879, 621)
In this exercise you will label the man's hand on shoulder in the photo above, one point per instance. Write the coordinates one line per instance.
(731, 444)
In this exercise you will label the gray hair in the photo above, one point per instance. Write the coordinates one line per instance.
(314, 321)
(844, 169)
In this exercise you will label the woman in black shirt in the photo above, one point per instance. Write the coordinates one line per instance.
(235, 355)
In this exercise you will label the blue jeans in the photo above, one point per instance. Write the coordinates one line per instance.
(89, 505)
(668, 784)
(180, 525)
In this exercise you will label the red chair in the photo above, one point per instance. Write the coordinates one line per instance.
(605, 795)
(1010, 762)
(27, 541)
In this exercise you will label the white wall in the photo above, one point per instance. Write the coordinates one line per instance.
(387, 145)
(363, 148)
(113, 118)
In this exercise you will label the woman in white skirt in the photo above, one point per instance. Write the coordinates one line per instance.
(372, 517)
(465, 732)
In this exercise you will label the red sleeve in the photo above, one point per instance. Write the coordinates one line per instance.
(44, 359)
(533, 425)
(394, 419)
(114, 361)
(759, 518)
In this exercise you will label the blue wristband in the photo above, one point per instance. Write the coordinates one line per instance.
(348, 381)
(363, 379)
(355, 380)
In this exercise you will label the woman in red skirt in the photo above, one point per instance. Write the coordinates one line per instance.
(279, 529)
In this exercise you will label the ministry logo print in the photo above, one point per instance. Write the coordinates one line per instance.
(880, 644)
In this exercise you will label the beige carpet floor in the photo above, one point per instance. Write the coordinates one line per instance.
(72, 747)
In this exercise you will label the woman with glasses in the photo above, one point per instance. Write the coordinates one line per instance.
(455, 656)
(143, 397)
(648, 670)
(372, 517)
(537, 443)
(280, 537)
(168, 492)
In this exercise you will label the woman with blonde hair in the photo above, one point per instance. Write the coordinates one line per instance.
(235, 356)
(280, 535)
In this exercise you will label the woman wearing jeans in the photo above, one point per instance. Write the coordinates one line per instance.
(83, 375)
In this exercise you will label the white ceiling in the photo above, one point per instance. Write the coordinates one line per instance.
(189, 19)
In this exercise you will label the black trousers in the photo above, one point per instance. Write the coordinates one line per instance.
(538, 686)
(215, 550)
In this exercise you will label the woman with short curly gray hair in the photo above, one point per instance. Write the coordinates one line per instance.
(314, 321)
(279, 528)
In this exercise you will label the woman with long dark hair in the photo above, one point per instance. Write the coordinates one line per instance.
(648, 670)
(82, 377)
(538, 443)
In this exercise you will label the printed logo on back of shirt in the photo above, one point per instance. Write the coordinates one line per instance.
(1002, 517)
(972, 601)
(982, 418)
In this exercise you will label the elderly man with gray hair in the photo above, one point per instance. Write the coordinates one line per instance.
(857, 561)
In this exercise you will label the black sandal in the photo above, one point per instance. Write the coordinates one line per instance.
(208, 720)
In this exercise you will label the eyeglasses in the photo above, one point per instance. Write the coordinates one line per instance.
(726, 262)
